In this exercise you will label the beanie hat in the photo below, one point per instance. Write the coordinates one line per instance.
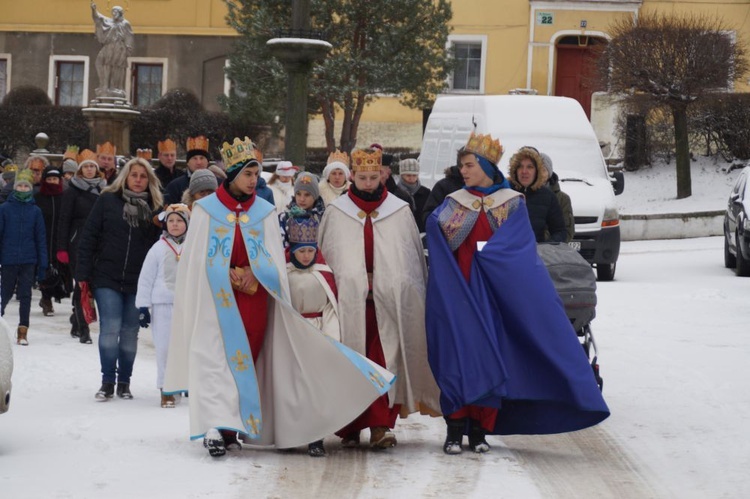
(336, 165)
(69, 166)
(24, 176)
(409, 166)
(286, 169)
(547, 162)
(202, 180)
(9, 172)
(179, 209)
(51, 171)
(307, 182)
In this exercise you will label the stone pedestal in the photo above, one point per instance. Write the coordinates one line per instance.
(110, 119)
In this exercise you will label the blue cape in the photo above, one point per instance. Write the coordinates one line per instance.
(503, 340)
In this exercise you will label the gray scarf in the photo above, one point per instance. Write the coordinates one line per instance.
(410, 188)
(94, 185)
(136, 209)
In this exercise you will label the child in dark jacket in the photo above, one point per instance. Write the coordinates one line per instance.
(23, 249)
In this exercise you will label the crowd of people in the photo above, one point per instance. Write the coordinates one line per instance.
(303, 307)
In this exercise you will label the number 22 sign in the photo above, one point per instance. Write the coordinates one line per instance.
(545, 18)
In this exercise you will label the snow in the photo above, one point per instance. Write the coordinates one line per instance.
(673, 344)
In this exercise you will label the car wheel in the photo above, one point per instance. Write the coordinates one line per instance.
(743, 265)
(605, 272)
(729, 260)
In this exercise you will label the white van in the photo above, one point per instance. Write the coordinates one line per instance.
(556, 126)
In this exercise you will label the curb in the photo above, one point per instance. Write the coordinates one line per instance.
(671, 225)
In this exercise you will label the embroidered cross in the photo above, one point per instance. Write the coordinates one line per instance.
(377, 379)
(239, 359)
(253, 424)
(232, 218)
(224, 296)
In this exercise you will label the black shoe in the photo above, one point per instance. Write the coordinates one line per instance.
(85, 336)
(477, 442)
(214, 443)
(455, 436)
(105, 392)
(123, 391)
(316, 449)
(74, 332)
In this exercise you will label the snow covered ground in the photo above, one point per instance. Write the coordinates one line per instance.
(672, 334)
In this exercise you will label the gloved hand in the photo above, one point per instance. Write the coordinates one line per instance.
(144, 318)
(62, 257)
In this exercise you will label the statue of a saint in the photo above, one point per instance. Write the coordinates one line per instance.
(116, 36)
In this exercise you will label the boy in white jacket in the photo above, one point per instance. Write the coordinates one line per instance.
(156, 286)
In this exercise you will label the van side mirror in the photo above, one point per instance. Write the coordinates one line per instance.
(618, 182)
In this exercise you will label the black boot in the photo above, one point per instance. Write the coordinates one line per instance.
(123, 391)
(106, 391)
(85, 335)
(316, 449)
(214, 442)
(74, 331)
(477, 442)
(455, 436)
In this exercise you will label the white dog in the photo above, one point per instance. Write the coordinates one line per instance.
(6, 365)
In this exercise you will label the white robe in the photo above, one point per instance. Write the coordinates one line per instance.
(308, 388)
(305, 286)
(282, 194)
(399, 288)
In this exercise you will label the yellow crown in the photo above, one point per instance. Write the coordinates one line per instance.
(71, 153)
(338, 156)
(199, 143)
(144, 153)
(485, 146)
(106, 148)
(167, 145)
(238, 152)
(367, 160)
(10, 168)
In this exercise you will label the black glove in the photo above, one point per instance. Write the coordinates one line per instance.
(144, 318)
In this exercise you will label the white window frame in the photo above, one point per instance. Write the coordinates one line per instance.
(8, 59)
(164, 61)
(227, 81)
(53, 60)
(480, 39)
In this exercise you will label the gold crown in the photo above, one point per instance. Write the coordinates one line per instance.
(486, 147)
(238, 152)
(71, 153)
(338, 156)
(167, 145)
(86, 154)
(106, 148)
(144, 153)
(364, 161)
(199, 143)
(10, 168)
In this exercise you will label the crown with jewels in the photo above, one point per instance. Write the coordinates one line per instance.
(167, 145)
(485, 146)
(199, 143)
(106, 148)
(364, 160)
(86, 154)
(71, 153)
(303, 231)
(337, 155)
(239, 152)
(144, 154)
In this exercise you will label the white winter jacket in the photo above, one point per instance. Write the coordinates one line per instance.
(158, 274)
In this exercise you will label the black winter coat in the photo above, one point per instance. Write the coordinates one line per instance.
(452, 182)
(545, 214)
(165, 176)
(76, 206)
(111, 252)
(51, 207)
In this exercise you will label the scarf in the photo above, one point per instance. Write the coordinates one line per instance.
(297, 264)
(24, 197)
(94, 185)
(51, 189)
(175, 239)
(136, 209)
(367, 201)
(338, 190)
(410, 188)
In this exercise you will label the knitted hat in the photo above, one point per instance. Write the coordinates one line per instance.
(336, 165)
(302, 231)
(409, 166)
(239, 155)
(51, 171)
(202, 180)
(24, 176)
(286, 169)
(307, 182)
(547, 162)
(69, 166)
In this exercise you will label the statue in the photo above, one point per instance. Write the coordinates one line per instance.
(116, 36)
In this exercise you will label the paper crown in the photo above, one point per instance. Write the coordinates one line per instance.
(302, 230)
(144, 154)
(86, 154)
(71, 153)
(10, 168)
(199, 143)
(364, 161)
(238, 152)
(337, 155)
(106, 148)
(485, 146)
(167, 145)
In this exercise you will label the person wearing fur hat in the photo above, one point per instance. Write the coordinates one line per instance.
(23, 250)
(77, 202)
(506, 357)
(282, 185)
(335, 178)
(409, 181)
(156, 284)
(253, 366)
(58, 284)
(553, 182)
(116, 238)
(202, 183)
(197, 158)
(528, 176)
(306, 203)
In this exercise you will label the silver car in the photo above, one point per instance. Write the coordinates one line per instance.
(737, 226)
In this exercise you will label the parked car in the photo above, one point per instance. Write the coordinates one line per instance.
(737, 226)
(6, 365)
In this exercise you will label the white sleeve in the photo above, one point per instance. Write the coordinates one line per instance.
(148, 276)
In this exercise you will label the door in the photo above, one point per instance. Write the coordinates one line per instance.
(576, 70)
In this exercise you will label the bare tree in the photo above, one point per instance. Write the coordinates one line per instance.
(675, 60)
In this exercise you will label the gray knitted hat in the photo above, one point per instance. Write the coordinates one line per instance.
(307, 182)
(408, 166)
(202, 180)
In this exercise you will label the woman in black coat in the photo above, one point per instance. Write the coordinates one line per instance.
(49, 200)
(115, 240)
(77, 202)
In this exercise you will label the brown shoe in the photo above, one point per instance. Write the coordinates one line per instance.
(47, 309)
(350, 441)
(381, 437)
(21, 333)
(167, 401)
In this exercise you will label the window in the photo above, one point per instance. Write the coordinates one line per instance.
(469, 54)
(147, 83)
(69, 83)
(4, 76)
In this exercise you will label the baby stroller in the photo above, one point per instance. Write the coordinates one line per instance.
(575, 282)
